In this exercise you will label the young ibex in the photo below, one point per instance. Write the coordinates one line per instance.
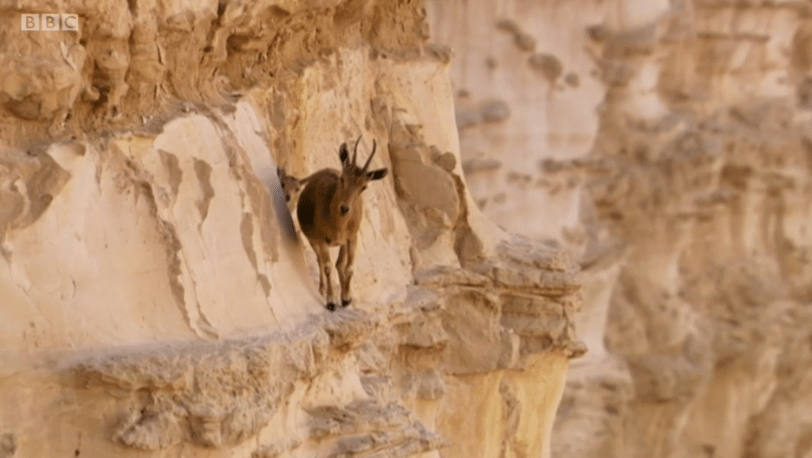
(291, 186)
(330, 212)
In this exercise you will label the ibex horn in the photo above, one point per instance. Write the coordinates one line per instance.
(374, 146)
(355, 150)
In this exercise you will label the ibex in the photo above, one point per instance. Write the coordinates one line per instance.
(291, 186)
(330, 212)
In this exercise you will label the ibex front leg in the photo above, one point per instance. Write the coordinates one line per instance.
(345, 270)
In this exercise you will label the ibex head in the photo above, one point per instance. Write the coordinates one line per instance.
(354, 179)
(291, 185)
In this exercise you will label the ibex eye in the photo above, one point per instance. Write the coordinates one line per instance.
(363, 187)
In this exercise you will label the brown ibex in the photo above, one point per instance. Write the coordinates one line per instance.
(330, 212)
(291, 186)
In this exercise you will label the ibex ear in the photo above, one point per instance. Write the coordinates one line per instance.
(376, 174)
(344, 155)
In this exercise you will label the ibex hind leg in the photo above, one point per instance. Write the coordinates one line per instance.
(325, 285)
(322, 284)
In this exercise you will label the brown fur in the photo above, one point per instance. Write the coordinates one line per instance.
(330, 211)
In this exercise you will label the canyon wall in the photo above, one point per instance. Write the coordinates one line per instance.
(157, 296)
(635, 170)
(666, 145)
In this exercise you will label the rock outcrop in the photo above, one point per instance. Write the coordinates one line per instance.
(156, 296)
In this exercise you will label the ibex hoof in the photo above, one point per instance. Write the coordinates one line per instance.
(346, 303)
(331, 307)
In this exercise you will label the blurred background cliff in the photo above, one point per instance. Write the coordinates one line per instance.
(667, 145)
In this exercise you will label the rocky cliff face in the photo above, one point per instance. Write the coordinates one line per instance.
(157, 298)
(667, 146)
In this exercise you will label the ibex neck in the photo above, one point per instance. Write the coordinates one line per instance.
(339, 221)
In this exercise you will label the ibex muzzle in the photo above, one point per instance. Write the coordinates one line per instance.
(330, 211)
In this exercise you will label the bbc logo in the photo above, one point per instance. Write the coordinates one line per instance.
(49, 22)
